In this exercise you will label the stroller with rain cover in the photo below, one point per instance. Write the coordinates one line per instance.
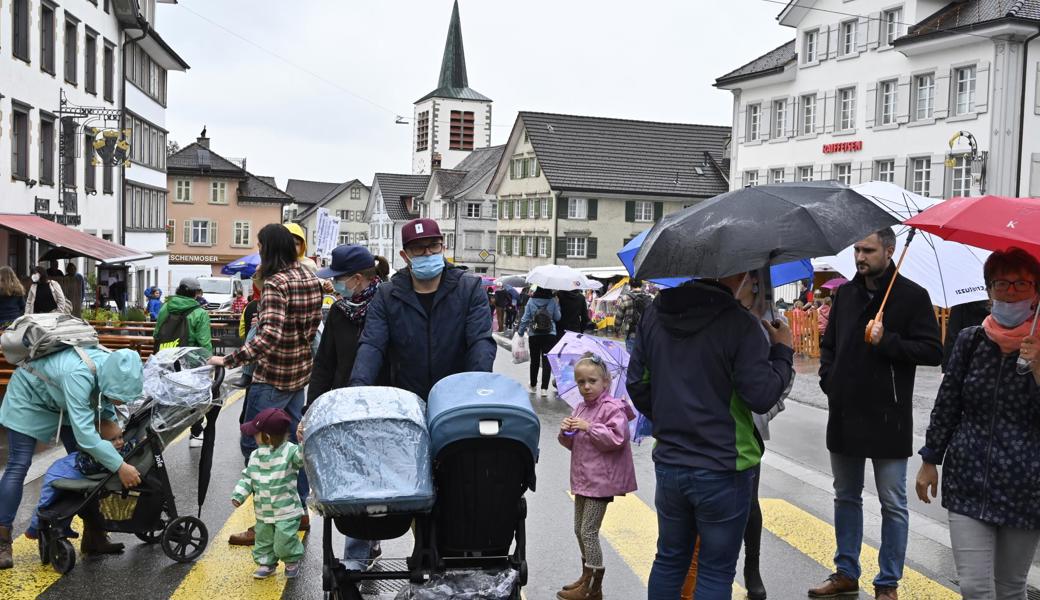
(179, 390)
(373, 466)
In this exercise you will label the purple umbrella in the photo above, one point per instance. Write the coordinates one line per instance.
(570, 349)
(833, 284)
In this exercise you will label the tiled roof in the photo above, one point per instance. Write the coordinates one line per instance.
(394, 187)
(770, 62)
(257, 189)
(309, 192)
(199, 159)
(477, 165)
(594, 154)
(336, 191)
(447, 179)
(970, 14)
(268, 180)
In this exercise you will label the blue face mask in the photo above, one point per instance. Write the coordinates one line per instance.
(427, 266)
(342, 289)
(1012, 314)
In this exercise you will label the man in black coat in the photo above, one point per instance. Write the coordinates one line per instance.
(870, 388)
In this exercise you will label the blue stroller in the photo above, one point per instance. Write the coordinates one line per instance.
(374, 466)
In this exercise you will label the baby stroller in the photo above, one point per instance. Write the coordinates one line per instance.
(483, 441)
(179, 390)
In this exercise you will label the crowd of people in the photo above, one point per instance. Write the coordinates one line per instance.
(706, 368)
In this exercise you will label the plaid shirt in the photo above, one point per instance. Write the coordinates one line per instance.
(270, 477)
(290, 311)
(624, 313)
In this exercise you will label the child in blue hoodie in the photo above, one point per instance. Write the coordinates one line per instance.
(154, 295)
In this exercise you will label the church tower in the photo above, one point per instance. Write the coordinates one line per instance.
(453, 119)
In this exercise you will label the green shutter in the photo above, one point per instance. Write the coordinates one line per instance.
(658, 211)
(550, 201)
(523, 209)
(523, 245)
(590, 247)
(561, 247)
(630, 211)
(593, 208)
(561, 208)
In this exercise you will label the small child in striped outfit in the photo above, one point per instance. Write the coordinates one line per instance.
(270, 477)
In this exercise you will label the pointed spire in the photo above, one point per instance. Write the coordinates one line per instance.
(453, 65)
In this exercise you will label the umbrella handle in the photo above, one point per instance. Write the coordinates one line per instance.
(881, 309)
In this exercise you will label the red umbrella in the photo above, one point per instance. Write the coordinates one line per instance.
(990, 222)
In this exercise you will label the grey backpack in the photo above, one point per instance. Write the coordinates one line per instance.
(33, 336)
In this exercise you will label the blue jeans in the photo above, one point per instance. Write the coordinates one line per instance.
(261, 396)
(890, 479)
(692, 503)
(20, 448)
(63, 468)
(358, 554)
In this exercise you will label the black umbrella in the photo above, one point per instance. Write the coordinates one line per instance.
(751, 227)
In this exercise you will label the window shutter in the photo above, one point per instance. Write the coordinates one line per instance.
(212, 233)
(870, 104)
(939, 178)
(592, 205)
(187, 232)
(630, 211)
(942, 94)
(791, 126)
(549, 200)
(831, 39)
(873, 31)
(862, 34)
(561, 247)
(658, 211)
(741, 133)
(561, 208)
(523, 245)
(591, 245)
(903, 100)
(523, 206)
(823, 103)
(764, 122)
(982, 87)
(831, 124)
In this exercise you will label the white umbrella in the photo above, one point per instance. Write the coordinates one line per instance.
(950, 271)
(557, 277)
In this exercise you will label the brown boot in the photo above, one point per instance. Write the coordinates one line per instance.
(6, 558)
(585, 573)
(590, 589)
(245, 538)
(838, 585)
(95, 541)
(882, 592)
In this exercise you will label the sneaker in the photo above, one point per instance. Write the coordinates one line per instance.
(544, 393)
(292, 570)
(195, 442)
(265, 571)
(533, 389)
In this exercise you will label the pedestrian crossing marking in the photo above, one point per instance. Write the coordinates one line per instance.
(28, 579)
(814, 538)
(630, 526)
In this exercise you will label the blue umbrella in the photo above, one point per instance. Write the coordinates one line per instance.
(243, 267)
(780, 274)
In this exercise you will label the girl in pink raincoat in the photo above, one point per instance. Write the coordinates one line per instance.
(597, 435)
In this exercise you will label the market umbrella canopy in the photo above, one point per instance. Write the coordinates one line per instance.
(244, 267)
(833, 284)
(558, 277)
(512, 280)
(990, 222)
(747, 228)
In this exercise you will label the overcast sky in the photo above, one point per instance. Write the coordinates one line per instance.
(325, 109)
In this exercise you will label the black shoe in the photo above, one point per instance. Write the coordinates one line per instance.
(756, 590)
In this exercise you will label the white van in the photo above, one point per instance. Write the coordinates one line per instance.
(219, 292)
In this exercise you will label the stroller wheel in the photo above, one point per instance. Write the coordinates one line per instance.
(185, 539)
(45, 552)
(63, 557)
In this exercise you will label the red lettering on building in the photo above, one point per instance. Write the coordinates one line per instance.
(854, 146)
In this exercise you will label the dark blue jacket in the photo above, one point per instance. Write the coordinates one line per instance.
(985, 430)
(699, 367)
(422, 349)
(11, 307)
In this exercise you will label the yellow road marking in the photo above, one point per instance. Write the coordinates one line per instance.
(631, 528)
(814, 538)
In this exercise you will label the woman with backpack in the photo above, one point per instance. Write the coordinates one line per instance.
(540, 317)
(45, 295)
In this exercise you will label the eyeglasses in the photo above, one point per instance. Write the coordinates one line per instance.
(1022, 285)
(425, 249)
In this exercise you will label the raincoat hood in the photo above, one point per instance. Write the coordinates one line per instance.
(119, 376)
(151, 290)
(687, 309)
(297, 231)
(181, 304)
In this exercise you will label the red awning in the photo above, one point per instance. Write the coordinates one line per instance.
(70, 242)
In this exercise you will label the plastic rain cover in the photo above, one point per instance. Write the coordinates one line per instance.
(463, 585)
(367, 451)
(180, 396)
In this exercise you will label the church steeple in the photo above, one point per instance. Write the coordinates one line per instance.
(454, 82)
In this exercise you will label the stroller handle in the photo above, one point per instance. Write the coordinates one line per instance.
(218, 379)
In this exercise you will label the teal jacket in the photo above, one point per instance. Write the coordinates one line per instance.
(34, 408)
(200, 335)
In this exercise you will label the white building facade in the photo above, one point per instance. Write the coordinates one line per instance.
(875, 90)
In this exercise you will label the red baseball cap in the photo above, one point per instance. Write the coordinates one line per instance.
(419, 229)
(272, 421)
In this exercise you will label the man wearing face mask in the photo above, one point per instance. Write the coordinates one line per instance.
(870, 388)
(431, 321)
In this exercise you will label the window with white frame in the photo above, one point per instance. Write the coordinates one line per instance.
(961, 176)
(182, 190)
(885, 170)
(577, 208)
(171, 231)
(644, 211)
(218, 192)
(843, 173)
(808, 114)
(924, 96)
(493, 211)
(809, 45)
(355, 193)
(532, 208)
(545, 208)
(848, 38)
(779, 117)
(891, 21)
(449, 241)
(241, 233)
(472, 239)
(472, 210)
(344, 238)
(750, 178)
(776, 176)
(529, 245)
(847, 109)
(921, 175)
(754, 116)
(805, 173)
(887, 102)
(964, 97)
(516, 245)
(343, 215)
(543, 246)
(199, 233)
(577, 247)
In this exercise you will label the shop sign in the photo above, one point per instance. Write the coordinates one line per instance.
(854, 146)
(200, 259)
